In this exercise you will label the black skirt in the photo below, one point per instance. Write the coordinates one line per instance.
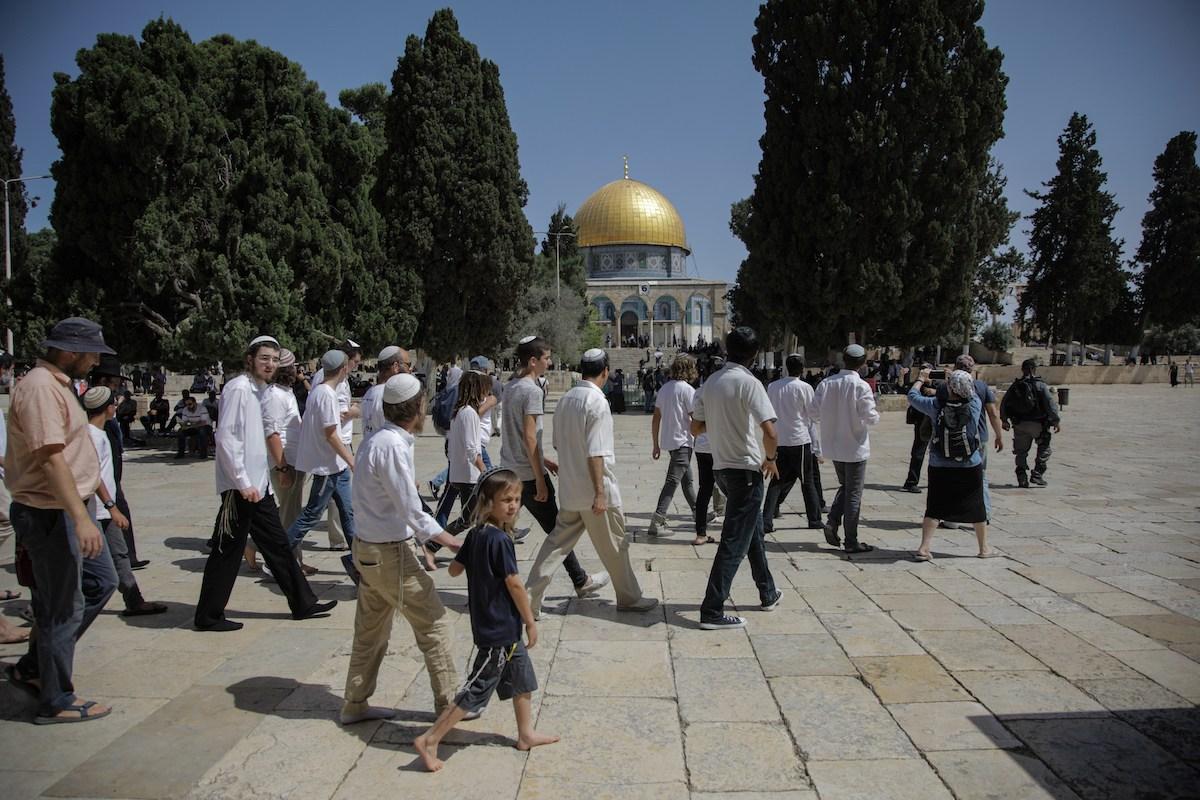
(956, 494)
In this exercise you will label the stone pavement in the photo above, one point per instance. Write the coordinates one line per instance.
(1070, 668)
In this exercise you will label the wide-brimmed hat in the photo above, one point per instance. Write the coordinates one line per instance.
(77, 335)
(109, 367)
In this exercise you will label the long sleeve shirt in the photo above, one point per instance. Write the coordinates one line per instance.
(931, 407)
(241, 441)
(387, 507)
(845, 406)
(464, 446)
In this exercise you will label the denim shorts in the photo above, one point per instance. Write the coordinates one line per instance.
(505, 670)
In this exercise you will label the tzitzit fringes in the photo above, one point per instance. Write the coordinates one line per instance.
(226, 517)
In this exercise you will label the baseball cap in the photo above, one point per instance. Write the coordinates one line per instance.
(400, 388)
(333, 360)
(77, 335)
(481, 363)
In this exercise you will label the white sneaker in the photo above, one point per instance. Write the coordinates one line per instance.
(641, 606)
(594, 584)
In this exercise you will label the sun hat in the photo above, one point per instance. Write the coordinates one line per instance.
(77, 335)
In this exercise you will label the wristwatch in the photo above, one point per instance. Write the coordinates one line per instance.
(772, 458)
(109, 504)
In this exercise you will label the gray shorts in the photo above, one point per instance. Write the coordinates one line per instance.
(506, 671)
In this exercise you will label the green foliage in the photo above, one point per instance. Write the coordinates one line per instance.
(450, 191)
(1170, 250)
(207, 193)
(871, 207)
(561, 223)
(997, 337)
(18, 205)
(1183, 340)
(1076, 280)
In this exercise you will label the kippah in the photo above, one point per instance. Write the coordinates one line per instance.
(855, 351)
(352, 343)
(261, 339)
(333, 359)
(96, 398)
(527, 340)
(595, 354)
(388, 353)
(795, 355)
(400, 388)
(287, 358)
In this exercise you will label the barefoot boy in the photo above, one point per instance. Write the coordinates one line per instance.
(498, 604)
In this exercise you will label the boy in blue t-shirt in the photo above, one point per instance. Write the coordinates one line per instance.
(499, 605)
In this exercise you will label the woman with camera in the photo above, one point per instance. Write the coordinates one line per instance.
(955, 459)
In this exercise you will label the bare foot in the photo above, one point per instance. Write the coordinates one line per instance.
(251, 556)
(535, 739)
(428, 755)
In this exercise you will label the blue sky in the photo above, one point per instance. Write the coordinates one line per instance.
(670, 83)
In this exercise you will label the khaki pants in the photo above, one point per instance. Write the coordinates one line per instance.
(392, 580)
(607, 532)
(290, 499)
(6, 528)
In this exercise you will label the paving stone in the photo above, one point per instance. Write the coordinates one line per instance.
(834, 718)
(870, 634)
(888, 583)
(1008, 615)
(966, 591)
(1065, 653)
(976, 650)
(998, 775)
(731, 757)
(1102, 633)
(605, 623)
(172, 674)
(838, 601)
(928, 612)
(909, 679)
(907, 779)
(1016, 694)
(1173, 670)
(1113, 604)
(534, 788)
(1106, 758)
(471, 773)
(1173, 628)
(800, 654)
(951, 726)
(725, 690)
(1063, 580)
(1131, 694)
(611, 669)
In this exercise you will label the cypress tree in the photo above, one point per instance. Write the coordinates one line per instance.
(451, 194)
(1170, 250)
(18, 206)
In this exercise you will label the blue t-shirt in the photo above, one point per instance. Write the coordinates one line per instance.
(489, 557)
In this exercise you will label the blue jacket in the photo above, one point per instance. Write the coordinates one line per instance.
(930, 406)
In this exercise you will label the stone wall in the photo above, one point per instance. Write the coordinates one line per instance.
(1082, 375)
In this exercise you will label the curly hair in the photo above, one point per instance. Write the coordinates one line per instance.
(683, 368)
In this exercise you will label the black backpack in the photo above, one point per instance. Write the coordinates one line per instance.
(956, 435)
(443, 409)
(1024, 399)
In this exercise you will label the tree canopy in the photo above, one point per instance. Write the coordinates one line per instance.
(870, 211)
(10, 167)
(1170, 250)
(1076, 280)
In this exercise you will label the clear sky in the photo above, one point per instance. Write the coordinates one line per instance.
(670, 83)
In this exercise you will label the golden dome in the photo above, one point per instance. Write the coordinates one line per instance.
(629, 212)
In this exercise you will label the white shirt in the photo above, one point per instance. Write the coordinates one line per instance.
(464, 446)
(194, 417)
(281, 415)
(674, 404)
(733, 407)
(3, 440)
(387, 507)
(583, 429)
(702, 443)
(845, 406)
(345, 429)
(372, 411)
(241, 443)
(104, 451)
(316, 456)
(792, 400)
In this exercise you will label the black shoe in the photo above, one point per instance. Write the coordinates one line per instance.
(778, 514)
(1022, 483)
(314, 610)
(815, 526)
(767, 529)
(773, 603)
(722, 623)
(858, 547)
(223, 626)
(831, 536)
(138, 564)
(911, 489)
(1037, 480)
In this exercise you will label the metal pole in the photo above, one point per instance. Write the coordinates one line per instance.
(8, 334)
(557, 279)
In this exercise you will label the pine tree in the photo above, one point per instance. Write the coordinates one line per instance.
(18, 206)
(1076, 279)
(451, 194)
(1170, 250)
(866, 214)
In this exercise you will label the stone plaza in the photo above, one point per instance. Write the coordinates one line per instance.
(1068, 668)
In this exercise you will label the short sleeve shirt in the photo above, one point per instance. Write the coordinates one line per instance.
(316, 456)
(522, 397)
(732, 408)
(583, 429)
(674, 404)
(489, 558)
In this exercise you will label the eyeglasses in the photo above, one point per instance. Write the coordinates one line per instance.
(267, 359)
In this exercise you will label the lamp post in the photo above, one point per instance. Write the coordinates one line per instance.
(8, 334)
(557, 237)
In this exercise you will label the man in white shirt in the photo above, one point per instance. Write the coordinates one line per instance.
(391, 361)
(732, 409)
(281, 423)
(844, 405)
(324, 455)
(671, 430)
(792, 399)
(247, 504)
(588, 497)
(194, 423)
(389, 515)
(349, 413)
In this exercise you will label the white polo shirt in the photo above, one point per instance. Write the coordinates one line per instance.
(281, 415)
(674, 404)
(845, 406)
(464, 446)
(344, 398)
(387, 507)
(733, 407)
(316, 456)
(241, 442)
(792, 400)
(583, 429)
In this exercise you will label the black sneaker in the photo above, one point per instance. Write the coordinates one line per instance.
(911, 489)
(1037, 480)
(1022, 483)
(725, 622)
(773, 603)
(831, 536)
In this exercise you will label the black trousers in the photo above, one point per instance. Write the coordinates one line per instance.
(916, 457)
(546, 514)
(795, 464)
(261, 522)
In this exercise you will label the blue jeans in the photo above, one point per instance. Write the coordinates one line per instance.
(334, 487)
(741, 536)
(71, 591)
(440, 479)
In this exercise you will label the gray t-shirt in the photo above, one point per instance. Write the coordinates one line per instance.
(522, 397)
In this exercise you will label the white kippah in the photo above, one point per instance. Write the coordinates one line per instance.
(527, 340)
(353, 343)
(388, 353)
(332, 360)
(261, 339)
(96, 398)
(855, 351)
(400, 388)
(595, 354)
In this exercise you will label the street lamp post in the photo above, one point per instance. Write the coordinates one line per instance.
(8, 334)
(557, 237)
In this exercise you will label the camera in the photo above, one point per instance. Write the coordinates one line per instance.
(937, 375)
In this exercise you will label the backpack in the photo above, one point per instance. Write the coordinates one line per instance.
(1023, 399)
(443, 409)
(956, 436)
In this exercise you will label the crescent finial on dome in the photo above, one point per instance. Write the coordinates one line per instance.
(626, 159)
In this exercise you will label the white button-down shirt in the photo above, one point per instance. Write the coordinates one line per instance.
(387, 507)
(792, 400)
(281, 415)
(241, 441)
(674, 404)
(464, 445)
(733, 406)
(845, 406)
(107, 478)
(583, 429)
(372, 411)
